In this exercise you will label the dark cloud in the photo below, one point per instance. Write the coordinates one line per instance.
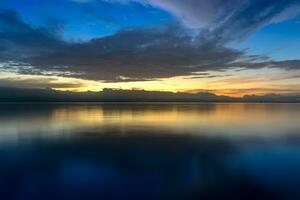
(129, 55)
(206, 75)
(37, 83)
(19, 40)
(139, 54)
(286, 64)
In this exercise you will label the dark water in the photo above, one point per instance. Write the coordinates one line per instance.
(149, 151)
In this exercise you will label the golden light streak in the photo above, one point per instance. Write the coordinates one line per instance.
(229, 83)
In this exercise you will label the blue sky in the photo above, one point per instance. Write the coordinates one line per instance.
(128, 43)
(84, 21)
(281, 40)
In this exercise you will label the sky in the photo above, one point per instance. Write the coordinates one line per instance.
(227, 47)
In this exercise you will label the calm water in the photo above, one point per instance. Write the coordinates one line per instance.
(149, 151)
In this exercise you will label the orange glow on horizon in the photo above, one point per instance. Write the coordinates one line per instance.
(230, 83)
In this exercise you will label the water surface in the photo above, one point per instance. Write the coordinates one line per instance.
(149, 151)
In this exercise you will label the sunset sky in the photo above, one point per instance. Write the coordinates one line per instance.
(228, 47)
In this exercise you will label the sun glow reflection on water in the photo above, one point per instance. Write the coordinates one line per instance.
(266, 120)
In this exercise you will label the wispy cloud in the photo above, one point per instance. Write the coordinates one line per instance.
(230, 19)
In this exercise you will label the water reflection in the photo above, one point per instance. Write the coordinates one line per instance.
(264, 120)
(150, 151)
(149, 167)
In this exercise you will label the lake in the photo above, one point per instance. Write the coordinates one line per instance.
(149, 151)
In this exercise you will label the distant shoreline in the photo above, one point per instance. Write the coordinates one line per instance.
(22, 95)
(139, 102)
